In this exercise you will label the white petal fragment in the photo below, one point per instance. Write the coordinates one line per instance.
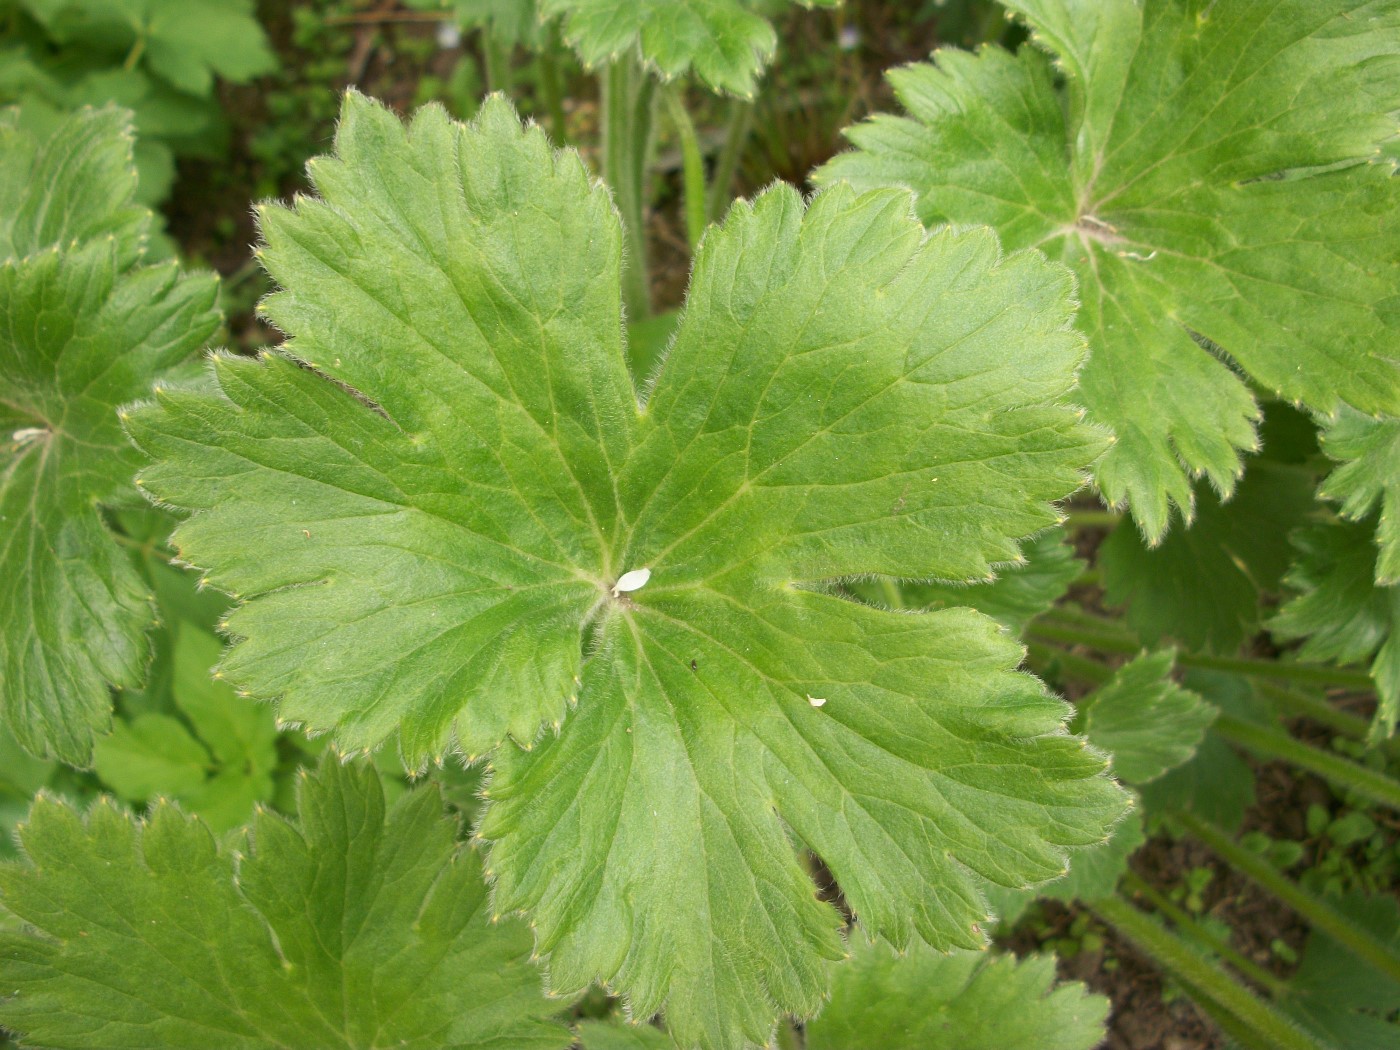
(634, 580)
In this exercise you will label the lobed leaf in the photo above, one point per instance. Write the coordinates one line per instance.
(726, 43)
(1207, 171)
(83, 329)
(1093, 874)
(1205, 586)
(184, 42)
(1346, 1001)
(356, 927)
(963, 1001)
(1146, 721)
(1019, 593)
(1341, 615)
(1368, 478)
(429, 499)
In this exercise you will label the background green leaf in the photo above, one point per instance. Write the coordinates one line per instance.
(82, 331)
(963, 1001)
(1212, 175)
(355, 927)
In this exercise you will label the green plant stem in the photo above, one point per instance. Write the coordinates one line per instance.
(736, 133)
(1341, 772)
(787, 1038)
(692, 163)
(1249, 969)
(1239, 1012)
(1317, 709)
(1320, 915)
(1283, 670)
(1074, 665)
(1089, 518)
(552, 86)
(496, 59)
(628, 93)
(889, 589)
(1051, 628)
(134, 55)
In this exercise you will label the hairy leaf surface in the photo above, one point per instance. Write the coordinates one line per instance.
(355, 927)
(963, 1001)
(1093, 873)
(1340, 613)
(725, 42)
(82, 330)
(1207, 172)
(429, 500)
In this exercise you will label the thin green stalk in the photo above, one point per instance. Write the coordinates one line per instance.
(134, 55)
(1276, 986)
(552, 85)
(736, 133)
(496, 58)
(1316, 709)
(1240, 1013)
(1072, 664)
(889, 588)
(1092, 519)
(1068, 634)
(692, 163)
(1100, 635)
(787, 1038)
(1284, 670)
(1341, 772)
(628, 93)
(1320, 915)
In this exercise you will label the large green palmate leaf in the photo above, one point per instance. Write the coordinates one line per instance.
(358, 926)
(438, 501)
(83, 329)
(963, 1001)
(726, 43)
(1206, 171)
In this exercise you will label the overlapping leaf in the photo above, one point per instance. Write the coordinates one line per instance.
(1145, 720)
(1019, 593)
(725, 42)
(1349, 1002)
(1368, 480)
(963, 1001)
(425, 502)
(1093, 874)
(1205, 586)
(1340, 613)
(185, 42)
(82, 330)
(218, 762)
(1207, 172)
(356, 927)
